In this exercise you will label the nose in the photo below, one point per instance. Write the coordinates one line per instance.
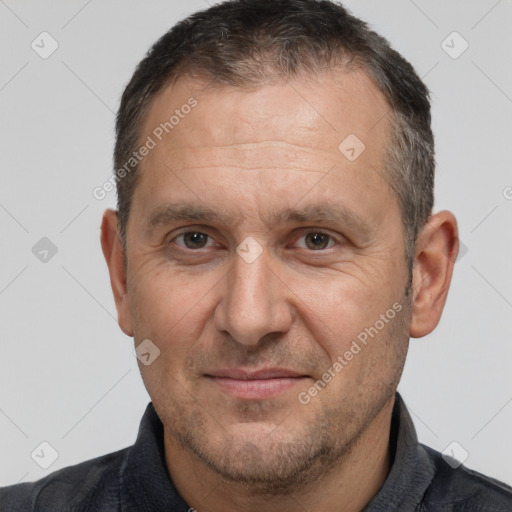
(255, 302)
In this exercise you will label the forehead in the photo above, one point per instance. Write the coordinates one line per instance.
(328, 108)
(289, 133)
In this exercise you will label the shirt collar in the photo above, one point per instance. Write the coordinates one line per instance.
(412, 470)
(144, 481)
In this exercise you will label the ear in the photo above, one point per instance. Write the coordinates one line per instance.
(436, 251)
(115, 256)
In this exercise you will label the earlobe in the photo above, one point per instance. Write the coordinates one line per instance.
(115, 257)
(436, 251)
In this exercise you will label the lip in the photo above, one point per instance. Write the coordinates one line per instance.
(264, 373)
(255, 385)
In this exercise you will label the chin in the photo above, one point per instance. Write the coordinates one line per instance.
(265, 456)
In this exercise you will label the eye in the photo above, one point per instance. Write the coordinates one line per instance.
(316, 240)
(193, 240)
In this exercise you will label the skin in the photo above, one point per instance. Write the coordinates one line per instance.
(247, 154)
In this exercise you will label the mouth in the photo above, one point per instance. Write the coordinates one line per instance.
(255, 385)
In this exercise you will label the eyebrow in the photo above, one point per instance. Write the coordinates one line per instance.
(334, 212)
(327, 212)
(174, 212)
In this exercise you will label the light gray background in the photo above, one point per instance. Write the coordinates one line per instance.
(67, 373)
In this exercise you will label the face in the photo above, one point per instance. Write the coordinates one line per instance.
(267, 265)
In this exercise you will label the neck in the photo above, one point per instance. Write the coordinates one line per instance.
(349, 487)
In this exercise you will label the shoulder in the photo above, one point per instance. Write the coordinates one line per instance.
(461, 489)
(69, 488)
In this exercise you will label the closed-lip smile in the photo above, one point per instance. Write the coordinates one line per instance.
(255, 384)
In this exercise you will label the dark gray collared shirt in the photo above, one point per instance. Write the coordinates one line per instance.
(136, 479)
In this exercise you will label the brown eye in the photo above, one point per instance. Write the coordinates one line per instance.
(194, 239)
(317, 241)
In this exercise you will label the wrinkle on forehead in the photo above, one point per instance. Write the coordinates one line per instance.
(251, 144)
(309, 113)
(263, 155)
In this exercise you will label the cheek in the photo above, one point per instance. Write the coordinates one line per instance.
(166, 302)
(171, 310)
(346, 310)
(341, 304)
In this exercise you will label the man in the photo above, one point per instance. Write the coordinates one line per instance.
(273, 250)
